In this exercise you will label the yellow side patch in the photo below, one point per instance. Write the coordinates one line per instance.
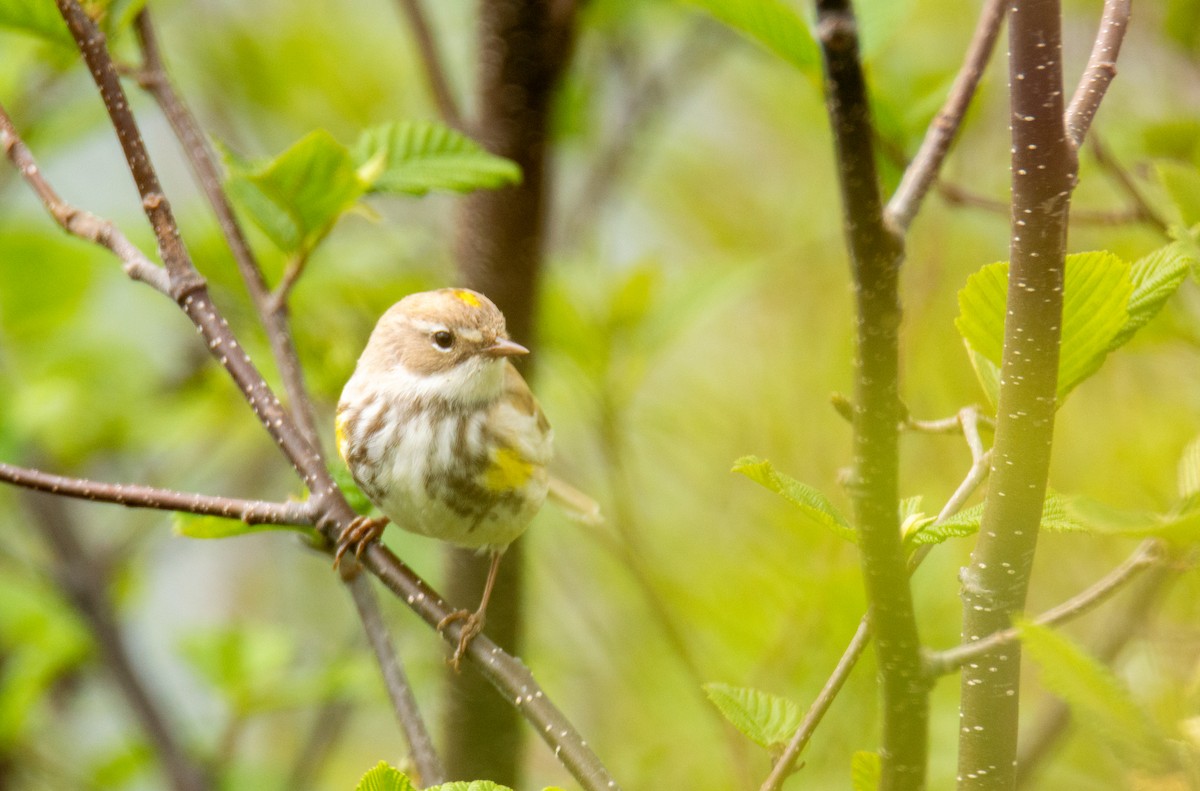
(467, 297)
(339, 433)
(507, 471)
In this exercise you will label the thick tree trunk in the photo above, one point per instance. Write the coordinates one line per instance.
(524, 46)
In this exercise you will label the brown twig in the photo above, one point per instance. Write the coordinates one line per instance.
(81, 579)
(1148, 553)
(922, 172)
(404, 703)
(1100, 71)
(957, 195)
(1142, 208)
(76, 221)
(252, 512)
(152, 76)
(433, 64)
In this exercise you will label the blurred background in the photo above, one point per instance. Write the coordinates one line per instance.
(695, 308)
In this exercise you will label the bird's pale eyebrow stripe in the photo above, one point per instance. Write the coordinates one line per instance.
(471, 336)
(427, 326)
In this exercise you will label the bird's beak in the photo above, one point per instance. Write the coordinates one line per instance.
(503, 347)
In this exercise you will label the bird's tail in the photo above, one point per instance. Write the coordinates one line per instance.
(576, 505)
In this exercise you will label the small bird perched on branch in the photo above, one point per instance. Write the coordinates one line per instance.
(445, 437)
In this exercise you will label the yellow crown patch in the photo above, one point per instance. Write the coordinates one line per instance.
(466, 297)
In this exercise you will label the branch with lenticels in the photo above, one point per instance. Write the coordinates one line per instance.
(330, 511)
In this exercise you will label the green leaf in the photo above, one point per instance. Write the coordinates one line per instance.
(1189, 469)
(768, 720)
(1096, 293)
(37, 18)
(297, 197)
(197, 526)
(1056, 516)
(865, 771)
(1181, 525)
(384, 778)
(815, 507)
(1100, 702)
(414, 158)
(1182, 183)
(1155, 278)
(772, 24)
(469, 785)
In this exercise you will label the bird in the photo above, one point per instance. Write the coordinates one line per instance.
(442, 433)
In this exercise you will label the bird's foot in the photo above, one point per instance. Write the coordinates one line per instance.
(357, 535)
(472, 627)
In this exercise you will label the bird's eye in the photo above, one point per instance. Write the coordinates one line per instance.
(443, 339)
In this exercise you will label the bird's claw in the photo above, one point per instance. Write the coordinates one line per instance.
(472, 627)
(357, 535)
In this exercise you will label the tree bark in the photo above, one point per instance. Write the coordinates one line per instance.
(524, 48)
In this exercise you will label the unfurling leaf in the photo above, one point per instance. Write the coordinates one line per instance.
(815, 507)
(1182, 524)
(1189, 470)
(1155, 278)
(384, 778)
(414, 158)
(1056, 516)
(469, 785)
(768, 720)
(865, 771)
(296, 198)
(1100, 702)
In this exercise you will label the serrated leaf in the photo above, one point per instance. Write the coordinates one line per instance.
(1189, 469)
(768, 720)
(1155, 278)
(1100, 702)
(1096, 292)
(471, 785)
(384, 778)
(197, 526)
(1181, 525)
(865, 771)
(772, 24)
(296, 198)
(414, 158)
(1056, 516)
(815, 507)
(1182, 183)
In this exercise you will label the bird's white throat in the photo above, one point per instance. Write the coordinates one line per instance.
(475, 380)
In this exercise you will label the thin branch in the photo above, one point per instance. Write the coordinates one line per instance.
(506, 673)
(968, 420)
(956, 195)
(433, 64)
(84, 585)
(1100, 71)
(1038, 739)
(75, 221)
(922, 172)
(1148, 553)
(153, 77)
(648, 100)
(786, 763)
(252, 512)
(93, 46)
(404, 703)
(875, 255)
(1144, 211)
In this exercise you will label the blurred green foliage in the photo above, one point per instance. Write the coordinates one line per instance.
(698, 312)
